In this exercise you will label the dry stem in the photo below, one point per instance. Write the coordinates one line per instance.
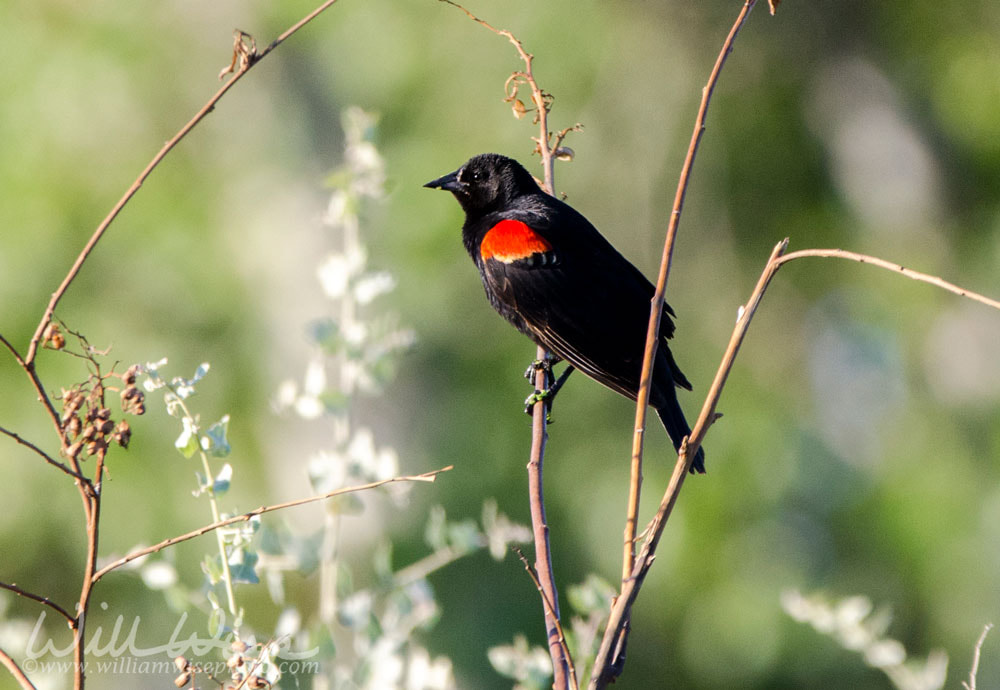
(243, 517)
(564, 675)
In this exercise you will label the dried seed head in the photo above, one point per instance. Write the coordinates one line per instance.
(74, 450)
(133, 400)
(53, 337)
(123, 434)
(128, 378)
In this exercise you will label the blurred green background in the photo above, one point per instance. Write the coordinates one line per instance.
(859, 449)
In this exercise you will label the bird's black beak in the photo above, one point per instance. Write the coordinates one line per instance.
(449, 183)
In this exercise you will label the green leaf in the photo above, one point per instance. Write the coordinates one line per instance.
(211, 566)
(220, 484)
(187, 442)
(215, 622)
(435, 534)
(592, 595)
(242, 566)
(214, 441)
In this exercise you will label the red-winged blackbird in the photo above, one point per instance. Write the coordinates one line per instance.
(549, 272)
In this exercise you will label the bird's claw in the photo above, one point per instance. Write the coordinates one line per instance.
(537, 397)
(538, 365)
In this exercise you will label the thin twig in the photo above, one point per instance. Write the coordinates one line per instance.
(45, 456)
(15, 670)
(619, 614)
(656, 313)
(245, 56)
(139, 553)
(974, 671)
(656, 307)
(12, 587)
(244, 67)
(573, 684)
(889, 266)
(606, 667)
(562, 664)
(537, 96)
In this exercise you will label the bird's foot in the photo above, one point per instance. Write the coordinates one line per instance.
(549, 394)
(537, 397)
(540, 365)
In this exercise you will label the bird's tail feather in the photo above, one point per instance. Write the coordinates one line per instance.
(677, 427)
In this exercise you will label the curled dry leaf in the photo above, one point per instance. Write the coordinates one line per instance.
(564, 153)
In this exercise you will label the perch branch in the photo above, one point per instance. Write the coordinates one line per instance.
(563, 671)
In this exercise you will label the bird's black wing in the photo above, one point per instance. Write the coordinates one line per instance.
(578, 297)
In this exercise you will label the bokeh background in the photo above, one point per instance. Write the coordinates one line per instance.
(859, 449)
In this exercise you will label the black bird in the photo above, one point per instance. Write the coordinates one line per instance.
(549, 272)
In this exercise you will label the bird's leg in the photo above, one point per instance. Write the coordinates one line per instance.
(549, 394)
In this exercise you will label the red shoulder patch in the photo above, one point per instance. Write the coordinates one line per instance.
(512, 240)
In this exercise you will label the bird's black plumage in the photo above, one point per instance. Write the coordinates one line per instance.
(552, 275)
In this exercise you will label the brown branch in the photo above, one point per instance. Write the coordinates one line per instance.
(606, 666)
(889, 266)
(139, 553)
(573, 684)
(245, 64)
(656, 313)
(12, 587)
(562, 664)
(15, 670)
(537, 96)
(45, 456)
(656, 307)
(974, 671)
(245, 56)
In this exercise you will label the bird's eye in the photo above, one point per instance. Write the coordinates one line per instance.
(476, 175)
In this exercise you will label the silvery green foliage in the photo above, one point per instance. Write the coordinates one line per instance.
(361, 634)
(531, 667)
(237, 558)
(363, 630)
(853, 624)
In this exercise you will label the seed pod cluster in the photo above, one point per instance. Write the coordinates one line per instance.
(86, 421)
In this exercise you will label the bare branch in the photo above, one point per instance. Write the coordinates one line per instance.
(605, 665)
(889, 266)
(573, 684)
(245, 64)
(563, 671)
(45, 456)
(971, 684)
(139, 553)
(562, 664)
(656, 307)
(12, 587)
(15, 670)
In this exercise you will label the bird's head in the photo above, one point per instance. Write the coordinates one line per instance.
(486, 183)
